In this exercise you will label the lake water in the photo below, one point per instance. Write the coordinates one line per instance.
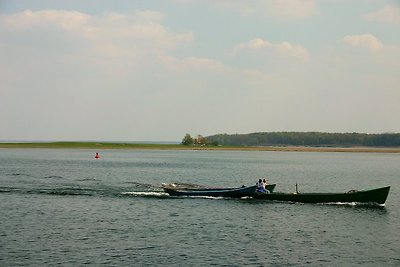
(63, 207)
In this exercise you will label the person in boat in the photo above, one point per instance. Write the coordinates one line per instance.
(265, 181)
(261, 186)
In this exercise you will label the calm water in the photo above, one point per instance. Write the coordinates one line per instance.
(63, 207)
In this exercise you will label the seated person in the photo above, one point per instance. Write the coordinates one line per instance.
(261, 187)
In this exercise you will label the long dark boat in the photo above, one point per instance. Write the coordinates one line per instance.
(236, 192)
(377, 196)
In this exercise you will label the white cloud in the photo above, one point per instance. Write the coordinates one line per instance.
(119, 45)
(265, 48)
(364, 41)
(387, 14)
(110, 33)
(28, 19)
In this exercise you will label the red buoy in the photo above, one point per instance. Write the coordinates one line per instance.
(97, 155)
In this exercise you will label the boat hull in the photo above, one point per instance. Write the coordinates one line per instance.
(378, 196)
(217, 192)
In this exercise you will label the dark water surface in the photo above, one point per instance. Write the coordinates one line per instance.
(63, 207)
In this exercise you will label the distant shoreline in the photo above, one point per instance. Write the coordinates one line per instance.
(109, 145)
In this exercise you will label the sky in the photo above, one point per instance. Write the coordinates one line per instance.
(155, 70)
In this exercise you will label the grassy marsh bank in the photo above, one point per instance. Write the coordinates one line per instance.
(109, 145)
(90, 145)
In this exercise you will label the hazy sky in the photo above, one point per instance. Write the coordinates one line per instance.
(155, 70)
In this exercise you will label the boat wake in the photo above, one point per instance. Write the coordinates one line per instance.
(92, 189)
(145, 194)
(183, 186)
(355, 205)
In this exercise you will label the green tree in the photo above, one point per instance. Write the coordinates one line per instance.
(187, 140)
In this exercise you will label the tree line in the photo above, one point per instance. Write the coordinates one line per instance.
(306, 139)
